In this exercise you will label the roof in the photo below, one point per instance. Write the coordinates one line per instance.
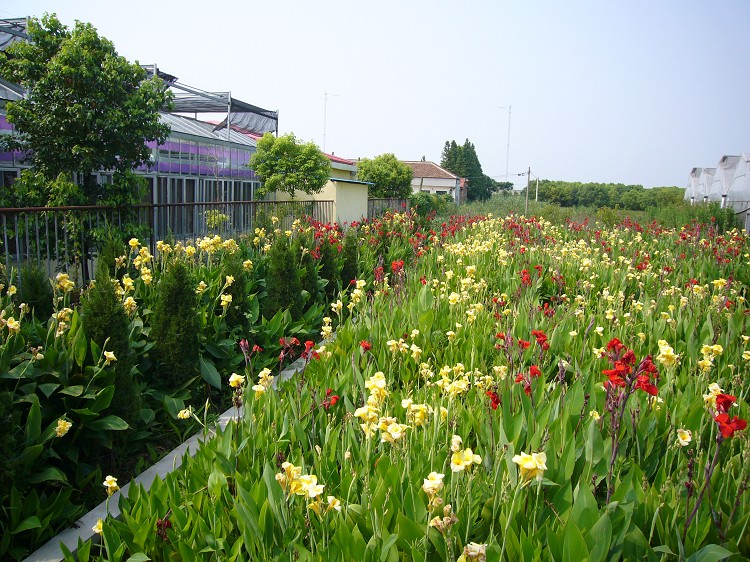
(339, 160)
(424, 169)
(189, 126)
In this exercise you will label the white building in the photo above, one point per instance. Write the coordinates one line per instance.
(431, 178)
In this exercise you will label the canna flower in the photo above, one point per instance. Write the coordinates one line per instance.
(184, 414)
(433, 484)
(473, 552)
(236, 381)
(728, 426)
(595, 415)
(684, 437)
(109, 357)
(531, 466)
(98, 527)
(462, 460)
(333, 504)
(63, 426)
(13, 325)
(110, 483)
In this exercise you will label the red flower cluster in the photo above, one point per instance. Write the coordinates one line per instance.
(729, 426)
(329, 400)
(623, 363)
(534, 372)
(494, 399)
(541, 339)
(525, 278)
(365, 345)
(309, 351)
(397, 266)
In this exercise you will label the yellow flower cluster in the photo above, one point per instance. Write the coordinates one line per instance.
(709, 400)
(710, 352)
(531, 466)
(418, 414)
(236, 381)
(63, 282)
(473, 551)
(63, 426)
(326, 332)
(265, 380)
(667, 355)
(294, 483)
(110, 483)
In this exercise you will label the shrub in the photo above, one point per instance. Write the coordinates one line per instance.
(175, 327)
(308, 271)
(112, 248)
(349, 267)
(329, 268)
(283, 287)
(106, 323)
(36, 291)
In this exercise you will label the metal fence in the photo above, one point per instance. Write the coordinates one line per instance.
(377, 206)
(68, 238)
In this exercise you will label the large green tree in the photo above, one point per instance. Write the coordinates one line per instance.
(390, 177)
(86, 107)
(286, 165)
(463, 161)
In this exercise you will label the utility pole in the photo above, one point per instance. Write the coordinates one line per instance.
(537, 191)
(528, 185)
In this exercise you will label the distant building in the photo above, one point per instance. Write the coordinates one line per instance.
(431, 178)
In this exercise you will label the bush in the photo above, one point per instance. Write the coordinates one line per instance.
(112, 248)
(106, 323)
(283, 287)
(349, 268)
(175, 327)
(329, 268)
(36, 291)
(308, 271)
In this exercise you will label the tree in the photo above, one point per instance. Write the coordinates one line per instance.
(464, 162)
(86, 108)
(390, 176)
(286, 165)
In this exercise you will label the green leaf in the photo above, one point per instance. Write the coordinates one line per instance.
(111, 423)
(75, 390)
(710, 553)
(80, 347)
(34, 421)
(48, 474)
(138, 557)
(28, 523)
(574, 547)
(48, 388)
(209, 372)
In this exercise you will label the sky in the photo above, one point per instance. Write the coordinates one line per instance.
(635, 92)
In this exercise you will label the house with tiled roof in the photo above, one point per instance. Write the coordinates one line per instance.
(431, 178)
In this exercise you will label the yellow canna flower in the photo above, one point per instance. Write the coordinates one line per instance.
(684, 437)
(110, 483)
(109, 357)
(63, 426)
(98, 527)
(531, 466)
(236, 381)
(184, 414)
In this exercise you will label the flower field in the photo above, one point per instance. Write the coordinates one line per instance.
(515, 391)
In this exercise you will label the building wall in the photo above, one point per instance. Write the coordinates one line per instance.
(343, 171)
(350, 202)
(433, 185)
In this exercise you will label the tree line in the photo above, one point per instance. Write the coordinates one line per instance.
(592, 194)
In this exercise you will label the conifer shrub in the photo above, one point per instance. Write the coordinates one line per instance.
(308, 270)
(175, 327)
(329, 269)
(112, 248)
(106, 322)
(36, 291)
(349, 266)
(283, 287)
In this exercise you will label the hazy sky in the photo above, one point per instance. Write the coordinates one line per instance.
(632, 92)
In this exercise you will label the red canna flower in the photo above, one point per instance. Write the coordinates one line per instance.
(523, 344)
(494, 399)
(615, 345)
(723, 402)
(365, 345)
(330, 399)
(534, 371)
(729, 426)
(644, 384)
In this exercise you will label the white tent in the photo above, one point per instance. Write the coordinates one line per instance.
(739, 185)
(704, 184)
(692, 189)
(723, 179)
